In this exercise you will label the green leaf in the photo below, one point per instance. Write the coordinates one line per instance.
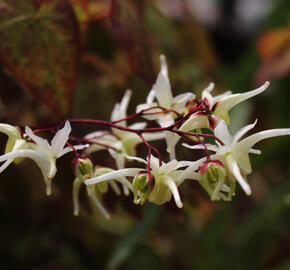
(40, 47)
(129, 241)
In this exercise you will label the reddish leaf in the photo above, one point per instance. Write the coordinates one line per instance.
(127, 23)
(39, 46)
(99, 9)
(81, 10)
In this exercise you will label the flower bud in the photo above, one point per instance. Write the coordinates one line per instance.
(211, 175)
(83, 166)
(141, 185)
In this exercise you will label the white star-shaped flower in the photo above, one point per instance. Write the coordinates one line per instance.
(234, 154)
(43, 153)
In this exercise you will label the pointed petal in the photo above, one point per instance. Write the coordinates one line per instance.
(59, 140)
(45, 163)
(180, 101)
(150, 97)
(76, 189)
(242, 132)
(221, 131)
(210, 147)
(38, 140)
(153, 136)
(165, 120)
(115, 187)
(172, 186)
(68, 149)
(6, 164)
(120, 161)
(218, 97)
(135, 158)
(163, 65)
(206, 94)
(98, 204)
(168, 167)
(228, 102)
(10, 131)
(138, 125)
(125, 101)
(250, 141)
(113, 175)
(162, 90)
(234, 169)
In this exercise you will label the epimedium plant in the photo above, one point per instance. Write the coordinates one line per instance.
(203, 123)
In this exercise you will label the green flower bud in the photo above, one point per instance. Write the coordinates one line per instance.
(84, 166)
(141, 187)
(211, 176)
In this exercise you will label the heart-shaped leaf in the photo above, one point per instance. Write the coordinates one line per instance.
(40, 47)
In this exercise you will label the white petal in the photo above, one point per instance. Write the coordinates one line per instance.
(180, 101)
(168, 167)
(172, 186)
(115, 187)
(153, 136)
(76, 189)
(218, 97)
(45, 163)
(10, 131)
(228, 102)
(206, 94)
(250, 141)
(221, 131)
(163, 65)
(138, 125)
(234, 169)
(189, 172)
(255, 151)
(60, 138)
(242, 132)
(113, 175)
(68, 149)
(165, 120)
(120, 161)
(125, 101)
(200, 146)
(154, 163)
(97, 134)
(6, 164)
(97, 203)
(163, 90)
(135, 158)
(150, 97)
(38, 140)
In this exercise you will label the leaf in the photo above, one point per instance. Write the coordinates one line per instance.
(81, 10)
(134, 235)
(99, 9)
(40, 47)
(127, 26)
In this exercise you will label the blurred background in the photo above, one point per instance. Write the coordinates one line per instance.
(75, 59)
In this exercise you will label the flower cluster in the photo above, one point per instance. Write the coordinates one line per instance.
(202, 122)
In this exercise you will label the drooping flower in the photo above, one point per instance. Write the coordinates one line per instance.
(161, 91)
(166, 180)
(85, 171)
(234, 154)
(125, 142)
(218, 108)
(43, 153)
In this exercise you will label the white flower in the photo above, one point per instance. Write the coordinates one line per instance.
(43, 153)
(162, 92)
(167, 178)
(218, 107)
(234, 154)
(94, 191)
(125, 142)
(14, 142)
